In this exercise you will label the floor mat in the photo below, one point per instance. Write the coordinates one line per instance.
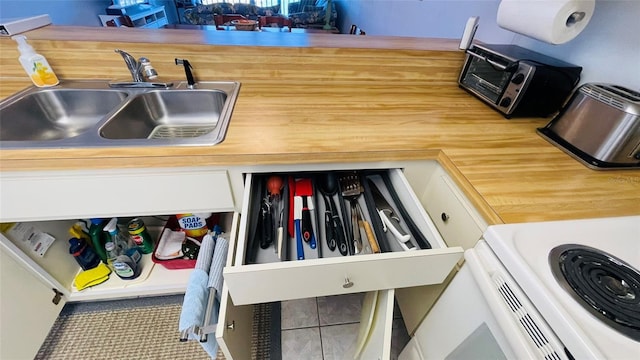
(144, 329)
(119, 330)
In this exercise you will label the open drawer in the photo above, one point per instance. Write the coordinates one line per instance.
(272, 280)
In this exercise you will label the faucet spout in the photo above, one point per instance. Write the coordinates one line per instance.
(135, 68)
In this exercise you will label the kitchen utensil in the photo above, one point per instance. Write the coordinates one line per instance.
(389, 220)
(297, 216)
(329, 231)
(292, 191)
(304, 189)
(266, 224)
(328, 186)
(364, 224)
(351, 190)
(275, 184)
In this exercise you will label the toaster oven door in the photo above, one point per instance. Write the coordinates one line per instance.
(484, 77)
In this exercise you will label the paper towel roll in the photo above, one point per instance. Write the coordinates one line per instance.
(551, 21)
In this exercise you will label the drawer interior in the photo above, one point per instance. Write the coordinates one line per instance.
(390, 185)
(257, 275)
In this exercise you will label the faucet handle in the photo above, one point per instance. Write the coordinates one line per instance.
(187, 71)
(147, 69)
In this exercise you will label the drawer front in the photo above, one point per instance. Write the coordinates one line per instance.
(273, 281)
(309, 278)
(134, 191)
(455, 223)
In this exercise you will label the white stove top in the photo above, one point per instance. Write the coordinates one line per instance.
(524, 250)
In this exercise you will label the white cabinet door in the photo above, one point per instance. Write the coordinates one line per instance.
(27, 311)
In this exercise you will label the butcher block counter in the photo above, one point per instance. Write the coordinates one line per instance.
(322, 98)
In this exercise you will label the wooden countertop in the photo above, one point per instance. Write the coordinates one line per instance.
(370, 103)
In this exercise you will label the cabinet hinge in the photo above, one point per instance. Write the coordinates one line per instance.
(56, 297)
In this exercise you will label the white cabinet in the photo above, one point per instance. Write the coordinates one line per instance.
(26, 309)
(141, 15)
(456, 219)
(136, 192)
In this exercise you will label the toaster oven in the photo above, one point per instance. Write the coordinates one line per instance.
(599, 126)
(516, 81)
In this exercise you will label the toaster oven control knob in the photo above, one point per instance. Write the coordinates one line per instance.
(505, 102)
(518, 79)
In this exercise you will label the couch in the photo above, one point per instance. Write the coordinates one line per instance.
(205, 14)
(311, 13)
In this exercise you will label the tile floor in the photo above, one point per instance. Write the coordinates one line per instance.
(326, 328)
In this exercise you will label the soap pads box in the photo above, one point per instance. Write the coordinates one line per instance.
(174, 235)
(10, 27)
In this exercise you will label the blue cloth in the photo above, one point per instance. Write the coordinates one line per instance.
(195, 300)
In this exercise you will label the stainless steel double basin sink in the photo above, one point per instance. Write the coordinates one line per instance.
(92, 114)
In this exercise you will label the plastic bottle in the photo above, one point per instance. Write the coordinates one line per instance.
(120, 240)
(127, 255)
(36, 65)
(126, 268)
(99, 238)
(112, 253)
(84, 255)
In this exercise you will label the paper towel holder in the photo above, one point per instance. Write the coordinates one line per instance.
(575, 18)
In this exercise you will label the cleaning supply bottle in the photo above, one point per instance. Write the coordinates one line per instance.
(99, 238)
(35, 64)
(84, 255)
(112, 254)
(126, 268)
(120, 240)
(125, 265)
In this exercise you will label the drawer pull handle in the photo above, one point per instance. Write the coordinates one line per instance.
(444, 217)
(347, 283)
(231, 326)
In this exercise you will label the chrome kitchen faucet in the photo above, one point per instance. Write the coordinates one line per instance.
(141, 71)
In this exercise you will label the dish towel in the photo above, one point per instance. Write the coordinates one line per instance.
(195, 300)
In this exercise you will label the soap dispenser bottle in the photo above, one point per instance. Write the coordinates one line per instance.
(35, 64)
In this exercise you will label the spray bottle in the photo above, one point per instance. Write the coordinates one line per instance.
(35, 64)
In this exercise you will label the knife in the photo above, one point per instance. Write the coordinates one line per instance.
(389, 220)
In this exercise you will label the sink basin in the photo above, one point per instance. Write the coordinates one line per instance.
(92, 114)
(164, 114)
(54, 114)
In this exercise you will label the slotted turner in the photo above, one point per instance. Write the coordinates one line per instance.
(351, 189)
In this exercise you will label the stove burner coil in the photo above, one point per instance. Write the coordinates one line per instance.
(603, 284)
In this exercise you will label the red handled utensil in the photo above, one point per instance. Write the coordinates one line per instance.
(304, 189)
